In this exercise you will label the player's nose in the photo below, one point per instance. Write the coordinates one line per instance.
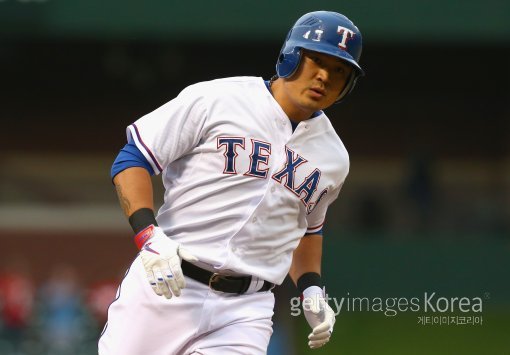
(323, 75)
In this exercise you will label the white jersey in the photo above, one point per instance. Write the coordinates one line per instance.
(241, 187)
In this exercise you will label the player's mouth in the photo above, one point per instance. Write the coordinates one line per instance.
(317, 92)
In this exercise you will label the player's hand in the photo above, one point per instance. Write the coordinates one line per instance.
(319, 316)
(161, 258)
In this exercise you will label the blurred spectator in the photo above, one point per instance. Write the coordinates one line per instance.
(372, 215)
(101, 294)
(420, 189)
(16, 304)
(63, 326)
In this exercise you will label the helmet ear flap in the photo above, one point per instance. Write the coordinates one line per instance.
(349, 86)
(288, 62)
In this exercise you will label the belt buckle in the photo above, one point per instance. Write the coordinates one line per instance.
(215, 277)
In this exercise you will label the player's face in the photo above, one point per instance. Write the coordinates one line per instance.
(316, 84)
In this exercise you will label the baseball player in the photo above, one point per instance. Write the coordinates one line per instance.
(249, 168)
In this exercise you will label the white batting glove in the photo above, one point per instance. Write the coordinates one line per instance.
(319, 316)
(161, 258)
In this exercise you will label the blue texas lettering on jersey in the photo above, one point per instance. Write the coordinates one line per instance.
(260, 154)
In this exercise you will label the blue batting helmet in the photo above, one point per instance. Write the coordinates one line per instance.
(324, 32)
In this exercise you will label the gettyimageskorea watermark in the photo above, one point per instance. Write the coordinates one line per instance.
(434, 309)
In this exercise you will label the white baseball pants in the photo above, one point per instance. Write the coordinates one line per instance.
(200, 321)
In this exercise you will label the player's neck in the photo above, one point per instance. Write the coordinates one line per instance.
(294, 112)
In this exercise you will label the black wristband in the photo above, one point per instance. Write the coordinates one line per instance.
(141, 219)
(308, 279)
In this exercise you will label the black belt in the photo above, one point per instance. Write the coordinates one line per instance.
(222, 283)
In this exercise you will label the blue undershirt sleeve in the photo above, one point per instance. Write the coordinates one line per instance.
(318, 232)
(130, 156)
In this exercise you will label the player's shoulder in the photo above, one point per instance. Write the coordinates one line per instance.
(329, 136)
(218, 86)
(236, 80)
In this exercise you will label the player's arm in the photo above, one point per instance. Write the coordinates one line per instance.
(307, 257)
(131, 176)
(160, 255)
(305, 271)
(134, 189)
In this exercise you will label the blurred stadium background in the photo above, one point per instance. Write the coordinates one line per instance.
(426, 207)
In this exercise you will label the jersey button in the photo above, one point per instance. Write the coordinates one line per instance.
(273, 189)
(254, 220)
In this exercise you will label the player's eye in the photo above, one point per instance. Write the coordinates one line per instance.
(340, 70)
(317, 60)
